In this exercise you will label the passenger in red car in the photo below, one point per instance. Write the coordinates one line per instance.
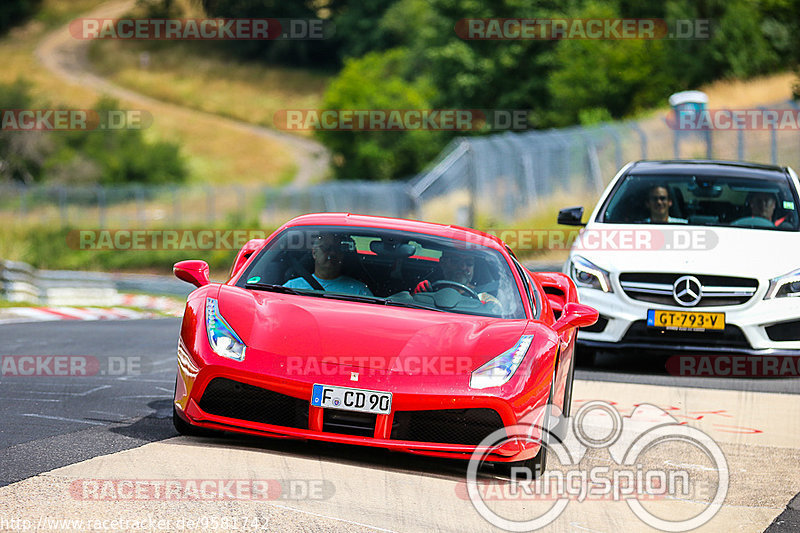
(328, 258)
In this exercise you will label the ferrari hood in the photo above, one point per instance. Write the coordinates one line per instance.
(696, 250)
(363, 335)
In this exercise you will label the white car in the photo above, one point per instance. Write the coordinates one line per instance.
(691, 256)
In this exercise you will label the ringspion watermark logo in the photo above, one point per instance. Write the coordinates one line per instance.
(735, 119)
(401, 119)
(735, 366)
(634, 477)
(201, 29)
(72, 366)
(74, 119)
(201, 489)
(550, 29)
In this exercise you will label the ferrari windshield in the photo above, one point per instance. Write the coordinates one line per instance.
(387, 267)
(704, 201)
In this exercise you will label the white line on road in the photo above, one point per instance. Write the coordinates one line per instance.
(29, 399)
(61, 418)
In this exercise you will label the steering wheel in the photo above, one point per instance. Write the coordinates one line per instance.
(455, 285)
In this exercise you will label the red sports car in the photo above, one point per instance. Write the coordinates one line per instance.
(406, 335)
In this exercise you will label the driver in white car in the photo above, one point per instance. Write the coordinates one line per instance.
(659, 204)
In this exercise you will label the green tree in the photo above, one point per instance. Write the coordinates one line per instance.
(379, 80)
(22, 153)
(13, 12)
(621, 76)
(120, 155)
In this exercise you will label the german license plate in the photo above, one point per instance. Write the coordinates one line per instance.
(694, 320)
(361, 400)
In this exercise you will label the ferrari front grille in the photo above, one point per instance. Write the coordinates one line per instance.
(232, 399)
(450, 426)
(349, 422)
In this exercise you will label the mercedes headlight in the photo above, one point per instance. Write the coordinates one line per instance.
(784, 286)
(586, 274)
(223, 340)
(500, 369)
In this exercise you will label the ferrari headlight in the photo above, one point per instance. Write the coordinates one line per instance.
(586, 274)
(784, 286)
(500, 369)
(223, 340)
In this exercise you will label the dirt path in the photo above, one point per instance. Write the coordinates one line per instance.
(67, 58)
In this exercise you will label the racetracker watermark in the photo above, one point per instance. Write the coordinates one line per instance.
(357, 367)
(401, 119)
(72, 366)
(549, 29)
(638, 239)
(202, 29)
(635, 476)
(735, 366)
(74, 119)
(201, 489)
(164, 239)
(735, 119)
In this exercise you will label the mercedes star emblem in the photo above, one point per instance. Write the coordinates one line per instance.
(687, 291)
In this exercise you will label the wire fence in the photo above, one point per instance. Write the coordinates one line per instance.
(504, 177)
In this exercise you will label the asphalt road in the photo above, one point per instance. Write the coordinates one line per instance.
(123, 400)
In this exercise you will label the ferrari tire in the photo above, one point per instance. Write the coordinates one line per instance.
(538, 463)
(185, 428)
(560, 429)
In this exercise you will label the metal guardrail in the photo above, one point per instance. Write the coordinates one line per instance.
(504, 177)
(19, 282)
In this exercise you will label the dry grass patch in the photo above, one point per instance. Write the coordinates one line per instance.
(198, 76)
(217, 152)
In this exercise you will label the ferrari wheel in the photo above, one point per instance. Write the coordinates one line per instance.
(560, 429)
(185, 428)
(538, 463)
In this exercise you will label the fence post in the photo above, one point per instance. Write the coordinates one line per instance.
(472, 177)
(62, 205)
(138, 192)
(210, 204)
(23, 202)
(642, 138)
(773, 140)
(176, 206)
(101, 206)
(740, 144)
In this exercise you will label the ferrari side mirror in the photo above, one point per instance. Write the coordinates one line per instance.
(192, 271)
(575, 315)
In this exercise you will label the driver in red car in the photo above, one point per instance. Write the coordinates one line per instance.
(458, 268)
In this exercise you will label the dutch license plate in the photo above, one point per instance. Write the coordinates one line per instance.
(695, 320)
(364, 401)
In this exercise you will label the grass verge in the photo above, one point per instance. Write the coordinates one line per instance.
(218, 153)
